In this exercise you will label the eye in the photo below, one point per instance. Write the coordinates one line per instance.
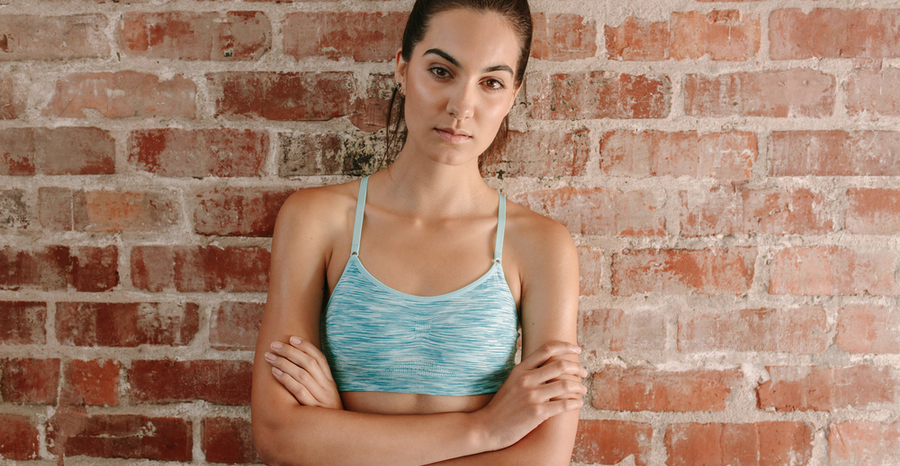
(439, 72)
(494, 84)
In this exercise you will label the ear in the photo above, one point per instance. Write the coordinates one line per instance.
(401, 66)
(515, 97)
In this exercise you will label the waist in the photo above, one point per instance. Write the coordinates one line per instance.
(411, 403)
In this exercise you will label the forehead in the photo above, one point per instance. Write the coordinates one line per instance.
(478, 38)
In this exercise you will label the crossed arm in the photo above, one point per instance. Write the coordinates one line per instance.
(296, 410)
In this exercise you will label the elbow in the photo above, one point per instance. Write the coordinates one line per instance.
(266, 446)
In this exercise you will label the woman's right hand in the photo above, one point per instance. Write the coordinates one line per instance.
(543, 385)
(303, 370)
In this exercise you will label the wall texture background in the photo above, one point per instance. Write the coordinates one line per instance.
(729, 170)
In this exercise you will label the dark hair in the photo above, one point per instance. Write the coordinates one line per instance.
(516, 13)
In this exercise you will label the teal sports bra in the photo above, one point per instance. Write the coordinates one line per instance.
(379, 339)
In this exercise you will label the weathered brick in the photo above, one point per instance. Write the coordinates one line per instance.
(18, 438)
(834, 153)
(778, 94)
(304, 154)
(868, 329)
(873, 211)
(13, 211)
(370, 111)
(187, 35)
(122, 436)
(795, 331)
(874, 92)
(619, 330)
(228, 440)
(683, 271)
(238, 211)
(126, 324)
(720, 34)
(216, 381)
(223, 152)
(601, 94)
(56, 151)
(107, 211)
(775, 443)
(199, 268)
(833, 270)
(645, 389)
(363, 36)
(82, 268)
(96, 382)
(123, 94)
(234, 326)
(29, 381)
(562, 37)
(611, 442)
(655, 153)
(12, 102)
(855, 443)
(800, 388)
(601, 211)
(590, 271)
(23, 323)
(33, 37)
(834, 33)
(543, 154)
(282, 96)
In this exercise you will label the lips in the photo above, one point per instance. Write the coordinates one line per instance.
(451, 136)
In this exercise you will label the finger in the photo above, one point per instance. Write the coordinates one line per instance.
(316, 354)
(562, 406)
(301, 394)
(547, 351)
(301, 358)
(561, 390)
(562, 369)
(298, 374)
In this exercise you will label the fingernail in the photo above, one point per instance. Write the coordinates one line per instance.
(276, 345)
(277, 371)
(270, 357)
(577, 349)
(295, 341)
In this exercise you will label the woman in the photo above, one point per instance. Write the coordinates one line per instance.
(410, 362)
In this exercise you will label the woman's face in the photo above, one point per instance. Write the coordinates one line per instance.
(459, 85)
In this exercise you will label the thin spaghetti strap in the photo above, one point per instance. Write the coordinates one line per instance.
(360, 210)
(501, 228)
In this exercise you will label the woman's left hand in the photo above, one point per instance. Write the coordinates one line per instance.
(303, 370)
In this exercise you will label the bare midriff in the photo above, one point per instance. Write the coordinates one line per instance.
(411, 403)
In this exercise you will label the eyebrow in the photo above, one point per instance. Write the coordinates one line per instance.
(455, 62)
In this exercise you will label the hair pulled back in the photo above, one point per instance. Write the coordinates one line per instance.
(517, 14)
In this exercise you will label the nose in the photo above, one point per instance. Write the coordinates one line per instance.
(461, 103)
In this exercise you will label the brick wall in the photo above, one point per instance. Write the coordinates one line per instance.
(730, 171)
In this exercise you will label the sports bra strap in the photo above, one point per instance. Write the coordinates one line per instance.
(360, 210)
(501, 227)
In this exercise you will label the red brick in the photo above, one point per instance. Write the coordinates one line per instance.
(759, 444)
(57, 151)
(29, 381)
(23, 323)
(656, 153)
(13, 211)
(228, 36)
(123, 94)
(282, 96)
(645, 389)
(234, 326)
(795, 331)
(618, 330)
(126, 324)
(18, 438)
(874, 92)
(562, 37)
(590, 270)
(601, 211)
(798, 388)
(601, 94)
(868, 329)
(12, 102)
(305, 154)
(863, 443)
(834, 153)
(873, 211)
(370, 112)
(720, 34)
(107, 211)
(215, 381)
(228, 440)
(199, 268)
(238, 211)
(222, 152)
(834, 33)
(683, 271)
(778, 94)
(543, 154)
(122, 436)
(833, 270)
(724, 211)
(59, 268)
(32, 37)
(96, 382)
(610, 442)
(363, 36)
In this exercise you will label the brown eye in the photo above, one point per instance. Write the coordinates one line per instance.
(494, 84)
(439, 72)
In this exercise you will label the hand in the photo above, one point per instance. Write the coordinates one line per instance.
(303, 370)
(543, 385)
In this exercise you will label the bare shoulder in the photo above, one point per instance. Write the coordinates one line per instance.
(316, 210)
(536, 240)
